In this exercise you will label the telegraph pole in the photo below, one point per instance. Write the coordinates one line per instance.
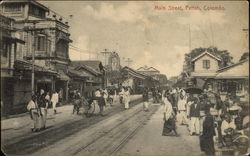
(128, 60)
(105, 53)
(33, 33)
(189, 38)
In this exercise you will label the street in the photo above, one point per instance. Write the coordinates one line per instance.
(149, 140)
(129, 132)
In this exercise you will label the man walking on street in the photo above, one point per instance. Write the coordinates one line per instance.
(182, 107)
(54, 100)
(194, 117)
(34, 111)
(126, 97)
(41, 101)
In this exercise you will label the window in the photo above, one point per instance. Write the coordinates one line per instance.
(40, 43)
(206, 64)
(35, 11)
(12, 8)
(6, 49)
(62, 48)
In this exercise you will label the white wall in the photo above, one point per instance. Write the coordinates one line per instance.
(198, 66)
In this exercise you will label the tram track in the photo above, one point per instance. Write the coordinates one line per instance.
(112, 141)
(36, 142)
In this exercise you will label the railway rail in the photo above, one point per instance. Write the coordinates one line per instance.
(110, 142)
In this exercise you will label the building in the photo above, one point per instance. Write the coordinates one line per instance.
(151, 71)
(233, 79)
(204, 69)
(148, 70)
(9, 42)
(46, 36)
(94, 73)
(137, 81)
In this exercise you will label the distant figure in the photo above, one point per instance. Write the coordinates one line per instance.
(105, 95)
(48, 101)
(34, 111)
(43, 105)
(145, 99)
(60, 94)
(121, 93)
(111, 96)
(54, 100)
(126, 97)
(101, 103)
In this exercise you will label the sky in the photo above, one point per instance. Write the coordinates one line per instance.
(151, 36)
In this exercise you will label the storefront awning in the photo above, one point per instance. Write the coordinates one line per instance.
(27, 66)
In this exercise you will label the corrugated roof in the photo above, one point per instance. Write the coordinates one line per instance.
(236, 71)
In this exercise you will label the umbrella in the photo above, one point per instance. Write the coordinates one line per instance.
(193, 90)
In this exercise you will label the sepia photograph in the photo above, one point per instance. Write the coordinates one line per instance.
(124, 78)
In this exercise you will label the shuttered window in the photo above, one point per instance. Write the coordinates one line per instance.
(206, 64)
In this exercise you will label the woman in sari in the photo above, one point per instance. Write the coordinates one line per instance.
(169, 127)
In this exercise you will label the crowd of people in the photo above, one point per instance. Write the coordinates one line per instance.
(38, 108)
(205, 114)
(41, 101)
(208, 116)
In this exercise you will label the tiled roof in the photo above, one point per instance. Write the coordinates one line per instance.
(79, 74)
(90, 65)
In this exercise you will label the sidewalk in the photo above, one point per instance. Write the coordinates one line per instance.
(18, 127)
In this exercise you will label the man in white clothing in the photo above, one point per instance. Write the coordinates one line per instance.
(54, 100)
(182, 108)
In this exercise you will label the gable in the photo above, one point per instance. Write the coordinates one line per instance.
(141, 69)
(152, 69)
(205, 54)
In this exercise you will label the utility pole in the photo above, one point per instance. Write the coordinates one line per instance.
(128, 60)
(105, 53)
(32, 30)
(189, 37)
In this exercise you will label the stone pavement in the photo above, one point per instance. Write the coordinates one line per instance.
(149, 140)
(20, 126)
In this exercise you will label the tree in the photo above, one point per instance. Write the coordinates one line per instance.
(244, 56)
(223, 54)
